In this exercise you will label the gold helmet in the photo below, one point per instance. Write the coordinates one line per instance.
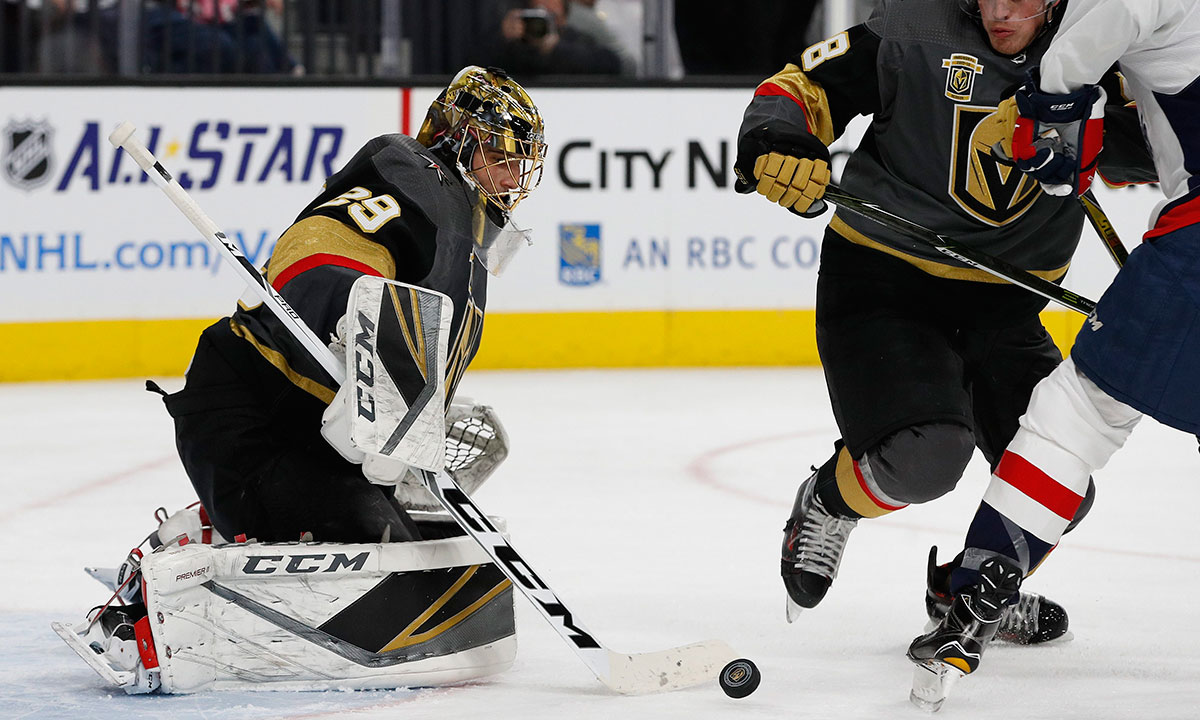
(486, 109)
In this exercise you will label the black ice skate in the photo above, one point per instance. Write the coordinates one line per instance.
(1031, 620)
(813, 543)
(954, 648)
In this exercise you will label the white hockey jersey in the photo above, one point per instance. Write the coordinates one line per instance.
(1157, 43)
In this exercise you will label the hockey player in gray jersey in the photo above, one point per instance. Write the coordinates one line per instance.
(925, 359)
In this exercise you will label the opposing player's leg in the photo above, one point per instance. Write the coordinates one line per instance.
(1071, 429)
(1003, 366)
(955, 647)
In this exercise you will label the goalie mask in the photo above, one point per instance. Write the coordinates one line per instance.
(488, 123)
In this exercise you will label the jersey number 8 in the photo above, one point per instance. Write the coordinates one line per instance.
(822, 51)
(369, 212)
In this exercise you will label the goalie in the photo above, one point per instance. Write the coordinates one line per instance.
(389, 265)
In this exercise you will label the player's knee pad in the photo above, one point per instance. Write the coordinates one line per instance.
(920, 463)
(1075, 415)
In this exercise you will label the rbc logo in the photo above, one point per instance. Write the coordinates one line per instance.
(579, 254)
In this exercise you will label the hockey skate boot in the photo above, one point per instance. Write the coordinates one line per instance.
(813, 543)
(1031, 620)
(954, 648)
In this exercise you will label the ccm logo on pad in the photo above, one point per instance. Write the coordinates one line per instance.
(300, 564)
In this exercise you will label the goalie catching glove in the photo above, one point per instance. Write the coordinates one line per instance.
(791, 170)
(1056, 139)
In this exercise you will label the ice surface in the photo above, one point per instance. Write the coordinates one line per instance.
(652, 501)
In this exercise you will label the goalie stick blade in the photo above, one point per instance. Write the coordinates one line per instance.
(666, 670)
(629, 674)
(932, 683)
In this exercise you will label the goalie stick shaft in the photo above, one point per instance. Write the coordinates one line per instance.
(982, 261)
(123, 138)
(624, 673)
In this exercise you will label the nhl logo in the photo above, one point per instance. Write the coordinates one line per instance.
(28, 153)
(961, 70)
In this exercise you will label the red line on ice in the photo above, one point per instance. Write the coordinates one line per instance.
(701, 471)
(97, 484)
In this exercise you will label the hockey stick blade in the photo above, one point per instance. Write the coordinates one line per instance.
(624, 673)
(628, 674)
(992, 265)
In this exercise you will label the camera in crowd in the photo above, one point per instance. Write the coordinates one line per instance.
(538, 23)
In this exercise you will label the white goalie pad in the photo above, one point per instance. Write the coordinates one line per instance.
(312, 616)
(391, 408)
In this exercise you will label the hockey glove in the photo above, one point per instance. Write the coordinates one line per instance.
(791, 170)
(1057, 138)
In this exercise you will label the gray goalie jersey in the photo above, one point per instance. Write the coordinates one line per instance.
(925, 71)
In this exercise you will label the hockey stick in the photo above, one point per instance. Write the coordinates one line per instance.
(982, 261)
(1100, 223)
(624, 673)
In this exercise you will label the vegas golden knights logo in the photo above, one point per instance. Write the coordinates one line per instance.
(996, 194)
(961, 70)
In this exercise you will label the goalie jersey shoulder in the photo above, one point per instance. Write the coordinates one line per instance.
(397, 193)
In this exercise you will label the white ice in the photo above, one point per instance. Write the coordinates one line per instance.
(652, 501)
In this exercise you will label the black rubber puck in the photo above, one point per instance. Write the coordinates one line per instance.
(740, 678)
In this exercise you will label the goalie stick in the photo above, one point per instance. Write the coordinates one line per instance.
(982, 261)
(624, 673)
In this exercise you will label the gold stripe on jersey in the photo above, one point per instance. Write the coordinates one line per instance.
(937, 269)
(816, 105)
(308, 385)
(319, 235)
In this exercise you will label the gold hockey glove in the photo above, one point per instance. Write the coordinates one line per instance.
(788, 168)
(790, 181)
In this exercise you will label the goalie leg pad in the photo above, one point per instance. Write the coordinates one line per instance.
(314, 616)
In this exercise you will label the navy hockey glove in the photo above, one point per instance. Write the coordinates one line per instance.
(791, 170)
(1057, 138)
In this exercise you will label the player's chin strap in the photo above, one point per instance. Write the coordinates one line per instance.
(622, 672)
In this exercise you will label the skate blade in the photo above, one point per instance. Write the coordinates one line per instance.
(932, 683)
(793, 610)
(117, 678)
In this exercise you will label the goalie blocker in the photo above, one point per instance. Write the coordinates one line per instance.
(306, 616)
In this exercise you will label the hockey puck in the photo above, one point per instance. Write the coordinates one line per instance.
(740, 678)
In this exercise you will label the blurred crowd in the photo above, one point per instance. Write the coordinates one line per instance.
(295, 37)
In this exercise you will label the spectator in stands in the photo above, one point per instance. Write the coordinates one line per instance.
(215, 36)
(48, 36)
(538, 40)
